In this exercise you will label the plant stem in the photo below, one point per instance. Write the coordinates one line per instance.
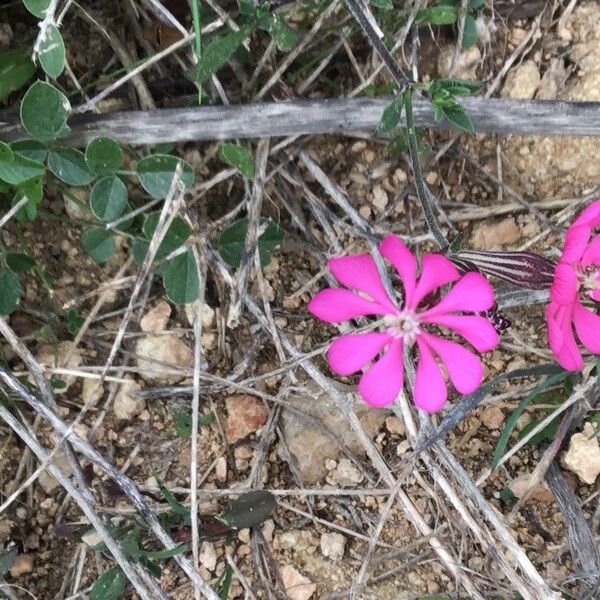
(422, 192)
(197, 20)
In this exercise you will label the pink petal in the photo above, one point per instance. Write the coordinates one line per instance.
(382, 383)
(350, 353)
(471, 293)
(591, 254)
(587, 326)
(576, 240)
(595, 294)
(464, 368)
(565, 285)
(478, 331)
(335, 305)
(394, 249)
(360, 273)
(560, 337)
(590, 215)
(430, 392)
(436, 271)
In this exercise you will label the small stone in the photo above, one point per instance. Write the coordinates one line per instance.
(207, 316)
(245, 415)
(288, 540)
(91, 538)
(6, 35)
(395, 426)
(583, 455)
(208, 556)
(23, 564)
(169, 349)
(156, 319)
(491, 236)
(466, 64)
(65, 355)
(346, 473)
(431, 178)
(492, 417)
(267, 530)
(522, 82)
(297, 586)
(76, 202)
(333, 545)
(380, 198)
(126, 404)
(91, 391)
(540, 492)
(47, 482)
(221, 469)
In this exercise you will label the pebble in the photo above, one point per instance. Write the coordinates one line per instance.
(156, 319)
(169, 349)
(245, 415)
(333, 545)
(583, 455)
(346, 473)
(492, 417)
(221, 469)
(380, 198)
(207, 317)
(91, 391)
(297, 586)
(23, 564)
(126, 405)
(47, 482)
(522, 82)
(494, 235)
(208, 556)
(540, 492)
(395, 426)
(65, 355)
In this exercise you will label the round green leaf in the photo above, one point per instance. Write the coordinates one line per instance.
(52, 52)
(110, 585)
(69, 166)
(37, 7)
(108, 198)
(16, 169)
(103, 156)
(239, 158)
(470, 32)
(19, 262)
(10, 291)
(6, 153)
(44, 112)
(16, 69)
(156, 173)
(98, 243)
(180, 278)
(232, 242)
(30, 149)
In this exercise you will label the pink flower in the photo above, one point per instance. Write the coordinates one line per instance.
(411, 324)
(576, 276)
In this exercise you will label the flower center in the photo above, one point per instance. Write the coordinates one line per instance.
(405, 325)
(589, 278)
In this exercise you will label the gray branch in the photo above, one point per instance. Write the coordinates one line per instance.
(346, 116)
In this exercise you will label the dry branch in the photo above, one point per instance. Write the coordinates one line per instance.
(300, 117)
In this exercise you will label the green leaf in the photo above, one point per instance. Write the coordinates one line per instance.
(183, 423)
(10, 291)
(166, 553)
(30, 149)
(458, 116)
(16, 69)
(382, 4)
(232, 241)
(392, 114)
(548, 433)
(217, 53)
(110, 585)
(180, 278)
(19, 262)
(52, 52)
(458, 87)
(15, 168)
(224, 582)
(239, 158)
(37, 7)
(98, 243)
(511, 422)
(108, 198)
(103, 156)
(44, 112)
(178, 509)
(283, 35)
(7, 559)
(469, 32)
(476, 4)
(28, 211)
(250, 509)
(178, 232)
(74, 321)
(69, 166)
(438, 15)
(156, 173)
